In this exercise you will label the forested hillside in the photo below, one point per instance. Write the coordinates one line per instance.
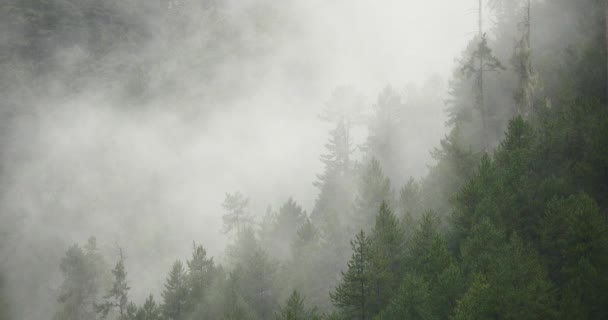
(510, 222)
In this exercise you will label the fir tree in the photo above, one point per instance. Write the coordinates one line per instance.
(149, 311)
(387, 257)
(175, 294)
(373, 189)
(294, 309)
(201, 274)
(352, 295)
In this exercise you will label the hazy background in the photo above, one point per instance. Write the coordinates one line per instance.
(150, 175)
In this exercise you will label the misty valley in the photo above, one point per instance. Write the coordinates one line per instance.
(303, 159)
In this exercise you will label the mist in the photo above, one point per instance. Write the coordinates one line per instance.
(134, 130)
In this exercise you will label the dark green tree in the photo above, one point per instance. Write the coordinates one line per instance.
(387, 258)
(508, 280)
(294, 309)
(575, 243)
(352, 295)
(411, 302)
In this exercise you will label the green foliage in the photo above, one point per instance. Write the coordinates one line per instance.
(387, 255)
(175, 294)
(575, 243)
(509, 280)
(352, 295)
(411, 302)
(201, 275)
(149, 311)
(294, 309)
(373, 189)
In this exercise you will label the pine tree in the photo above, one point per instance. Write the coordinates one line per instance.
(482, 60)
(290, 217)
(575, 243)
(387, 258)
(131, 313)
(352, 295)
(149, 311)
(386, 133)
(294, 309)
(201, 274)
(373, 189)
(507, 278)
(254, 275)
(175, 294)
(332, 206)
(236, 216)
(82, 282)
(411, 302)
(117, 296)
(409, 201)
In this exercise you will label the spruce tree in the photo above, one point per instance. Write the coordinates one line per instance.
(411, 302)
(373, 188)
(175, 294)
(149, 310)
(352, 295)
(294, 309)
(387, 258)
(200, 277)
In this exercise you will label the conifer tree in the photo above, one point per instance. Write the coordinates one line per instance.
(480, 61)
(290, 217)
(201, 274)
(236, 216)
(575, 243)
(294, 309)
(175, 294)
(373, 189)
(352, 295)
(385, 132)
(411, 302)
(387, 258)
(82, 282)
(332, 206)
(149, 310)
(117, 297)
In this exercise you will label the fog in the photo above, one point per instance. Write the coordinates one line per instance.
(149, 175)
